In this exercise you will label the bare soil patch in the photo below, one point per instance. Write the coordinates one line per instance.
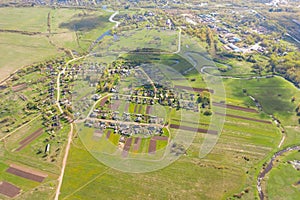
(26, 173)
(148, 110)
(108, 134)
(235, 107)
(19, 87)
(246, 118)
(115, 105)
(9, 189)
(137, 144)
(140, 109)
(127, 147)
(126, 107)
(103, 101)
(193, 129)
(152, 147)
(135, 108)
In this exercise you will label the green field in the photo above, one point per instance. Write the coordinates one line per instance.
(229, 170)
(281, 182)
(70, 29)
(274, 94)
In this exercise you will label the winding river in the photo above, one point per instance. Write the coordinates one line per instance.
(268, 168)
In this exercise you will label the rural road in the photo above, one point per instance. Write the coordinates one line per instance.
(19, 128)
(60, 179)
(150, 80)
(58, 81)
(111, 19)
(179, 41)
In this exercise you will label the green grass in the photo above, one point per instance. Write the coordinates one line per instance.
(81, 168)
(20, 50)
(274, 94)
(281, 180)
(25, 19)
(75, 29)
(142, 38)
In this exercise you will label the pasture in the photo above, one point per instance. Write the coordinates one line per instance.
(274, 94)
(30, 35)
(228, 170)
(282, 181)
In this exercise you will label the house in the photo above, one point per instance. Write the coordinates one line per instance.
(47, 148)
(96, 97)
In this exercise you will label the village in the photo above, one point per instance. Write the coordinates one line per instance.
(94, 89)
(131, 101)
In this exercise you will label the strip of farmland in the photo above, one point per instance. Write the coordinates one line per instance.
(115, 105)
(108, 134)
(19, 87)
(140, 109)
(193, 89)
(148, 110)
(192, 129)
(26, 173)
(235, 107)
(127, 147)
(137, 144)
(245, 118)
(190, 122)
(135, 108)
(29, 139)
(9, 189)
(152, 147)
(103, 101)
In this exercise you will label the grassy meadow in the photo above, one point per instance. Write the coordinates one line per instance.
(66, 29)
(282, 180)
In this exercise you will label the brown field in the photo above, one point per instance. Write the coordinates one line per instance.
(19, 87)
(148, 110)
(127, 147)
(102, 102)
(140, 109)
(26, 173)
(193, 89)
(135, 108)
(126, 107)
(98, 134)
(152, 146)
(108, 134)
(29, 139)
(235, 107)
(164, 138)
(199, 130)
(9, 189)
(115, 105)
(190, 122)
(246, 118)
(137, 143)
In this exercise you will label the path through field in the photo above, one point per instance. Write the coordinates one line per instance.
(60, 179)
